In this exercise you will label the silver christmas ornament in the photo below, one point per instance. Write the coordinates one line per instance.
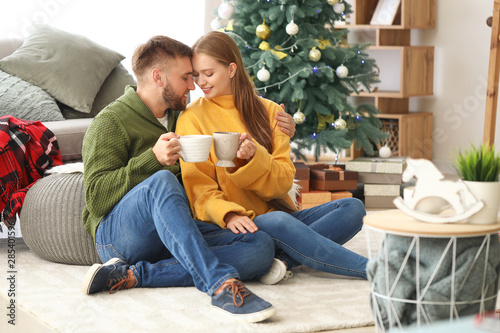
(263, 74)
(299, 117)
(292, 28)
(342, 71)
(225, 11)
(339, 7)
(384, 152)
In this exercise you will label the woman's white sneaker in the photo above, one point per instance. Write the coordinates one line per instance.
(275, 274)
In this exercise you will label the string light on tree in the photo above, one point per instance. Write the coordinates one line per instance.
(263, 74)
(342, 71)
(314, 54)
(292, 29)
(263, 31)
(339, 7)
(225, 11)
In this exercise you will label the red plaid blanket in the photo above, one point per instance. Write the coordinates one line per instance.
(27, 149)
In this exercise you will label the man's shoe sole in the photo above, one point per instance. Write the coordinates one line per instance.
(89, 277)
(250, 317)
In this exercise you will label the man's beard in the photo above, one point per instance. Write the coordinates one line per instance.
(173, 101)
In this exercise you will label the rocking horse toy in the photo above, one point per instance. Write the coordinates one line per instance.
(431, 188)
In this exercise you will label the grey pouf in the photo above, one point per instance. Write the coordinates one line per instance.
(51, 220)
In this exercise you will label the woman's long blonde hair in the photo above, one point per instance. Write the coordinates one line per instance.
(221, 47)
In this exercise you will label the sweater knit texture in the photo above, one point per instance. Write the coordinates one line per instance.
(117, 154)
(245, 189)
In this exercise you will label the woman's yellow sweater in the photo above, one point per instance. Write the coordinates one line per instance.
(215, 191)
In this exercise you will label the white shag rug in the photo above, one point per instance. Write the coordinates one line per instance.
(311, 301)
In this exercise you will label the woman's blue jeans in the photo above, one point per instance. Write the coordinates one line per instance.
(314, 236)
(152, 229)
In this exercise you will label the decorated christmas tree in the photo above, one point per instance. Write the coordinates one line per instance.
(296, 57)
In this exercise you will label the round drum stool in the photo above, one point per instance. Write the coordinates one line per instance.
(51, 220)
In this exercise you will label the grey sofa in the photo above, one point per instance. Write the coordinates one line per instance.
(51, 216)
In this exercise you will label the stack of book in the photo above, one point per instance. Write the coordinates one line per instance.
(322, 183)
(381, 178)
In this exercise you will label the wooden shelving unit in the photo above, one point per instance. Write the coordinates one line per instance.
(416, 68)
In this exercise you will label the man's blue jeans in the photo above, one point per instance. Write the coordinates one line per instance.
(314, 236)
(152, 229)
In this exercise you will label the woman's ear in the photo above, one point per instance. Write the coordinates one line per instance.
(232, 69)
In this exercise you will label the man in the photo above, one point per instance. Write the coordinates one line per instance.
(138, 212)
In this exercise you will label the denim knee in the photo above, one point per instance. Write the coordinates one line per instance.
(166, 179)
(263, 250)
(357, 210)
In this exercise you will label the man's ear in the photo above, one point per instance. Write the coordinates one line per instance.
(232, 69)
(157, 78)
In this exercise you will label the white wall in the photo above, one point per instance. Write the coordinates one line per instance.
(120, 25)
(462, 45)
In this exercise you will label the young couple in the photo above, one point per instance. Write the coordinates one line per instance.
(244, 227)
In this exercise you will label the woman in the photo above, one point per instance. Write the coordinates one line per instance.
(253, 195)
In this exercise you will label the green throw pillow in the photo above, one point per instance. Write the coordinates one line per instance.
(23, 100)
(71, 68)
(112, 88)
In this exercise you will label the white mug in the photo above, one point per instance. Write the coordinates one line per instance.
(226, 146)
(195, 148)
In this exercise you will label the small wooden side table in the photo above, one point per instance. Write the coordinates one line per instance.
(396, 223)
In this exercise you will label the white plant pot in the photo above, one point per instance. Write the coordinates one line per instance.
(489, 193)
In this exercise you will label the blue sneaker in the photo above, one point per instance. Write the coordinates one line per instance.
(113, 275)
(240, 303)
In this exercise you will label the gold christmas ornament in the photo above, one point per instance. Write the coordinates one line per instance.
(314, 54)
(263, 31)
(332, 2)
(340, 124)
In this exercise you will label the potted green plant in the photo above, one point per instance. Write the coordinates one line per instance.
(479, 168)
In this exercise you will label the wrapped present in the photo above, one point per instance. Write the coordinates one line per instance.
(384, 190)
(315, 198)
(383, 202)
(379, 178)
(301, 171)
(341, 195)
(302, 176)
(333, 180)
(391, 165)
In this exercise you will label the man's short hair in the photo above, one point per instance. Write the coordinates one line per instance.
(157, 51)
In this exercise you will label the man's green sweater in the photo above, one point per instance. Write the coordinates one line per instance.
(117, 154)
